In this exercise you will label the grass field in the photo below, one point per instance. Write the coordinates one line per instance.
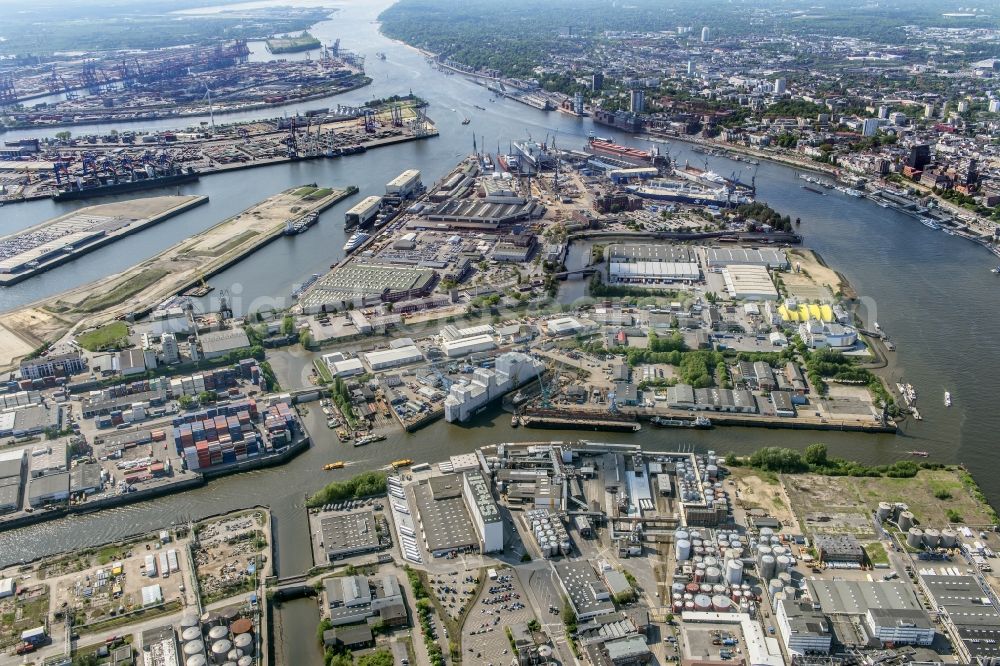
(124, 290)
(103, 337)
(850, 500)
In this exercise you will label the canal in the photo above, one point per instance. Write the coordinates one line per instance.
(932, 292)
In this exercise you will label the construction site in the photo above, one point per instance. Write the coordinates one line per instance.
(176, 82)
(99, 165)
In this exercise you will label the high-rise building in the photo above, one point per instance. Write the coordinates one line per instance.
(870, 127)
(928, 110)
(706, 34)
(963, 106)
(995, 106)
(596, 81)
(690, 68)
(780, 85)
(171, 353)
(919, 157)
(883, 112)
(637, 101)
(578, 104)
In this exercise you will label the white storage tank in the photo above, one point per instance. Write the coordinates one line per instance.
(218, 633)
(783, 563)
(245, 661)
(703, 603)
(712, 574)
(196, 660)
(778, 551)
(774, 586)
(189, 619)
(194, 647)
(682, 535)
(191, 633)
(245, 643)
(711, 561)
(785, 578)
(721, 604)
(790, 592)
(734, 572)
(884, 511)
(683, 549)
(767, 567)
(915, 537)
(905, 521)
(949, 538)
(931, 537)
(220, 649)
(234, 655)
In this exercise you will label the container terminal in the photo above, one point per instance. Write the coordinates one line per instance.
(105, 165)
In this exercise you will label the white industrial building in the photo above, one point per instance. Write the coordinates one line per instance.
(817, 335)
(717, 257)
(564, 326)
(466, 346)
(900, 626)
(393, 358)
(652, 272)
(803, 629)
(484, 512)
(171, 352)
(513, 369)
(404, 185)
(749, 282)
(341, 366)
(452, 332)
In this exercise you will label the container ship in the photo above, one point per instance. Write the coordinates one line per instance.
(604, 147)
(110, 184)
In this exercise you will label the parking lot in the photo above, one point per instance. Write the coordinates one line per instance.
(454, 589)
(503, 602)
(711, 642)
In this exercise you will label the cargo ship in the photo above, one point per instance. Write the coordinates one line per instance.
(108, 185)
(605, 147)
(701, 422)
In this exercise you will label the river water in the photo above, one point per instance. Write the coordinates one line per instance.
(932, 292)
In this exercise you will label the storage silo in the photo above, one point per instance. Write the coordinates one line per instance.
(196, 660)
(763, 550)
(217, 633)
(682, 535)
(234, 655)
(783, 563)
(931, 537)
(721, 604)
(194, 647)
(774, 586)
(884, 511)
(706, 588)
(767, 567)
(189, 619)
(766, 532)
(734, 572)
(245, 661)
(689, 605)
(905, 521)
(682, 550)
(949, 538)
(189, 634)
(778, 551)
(219, 650)
(703, 603)
(244, 642)
(713, 574)
(790, 592)
(711, 561)
(677, 587)
(915, 537)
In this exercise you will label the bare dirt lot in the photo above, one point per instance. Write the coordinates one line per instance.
(231, 553)
(758, 490)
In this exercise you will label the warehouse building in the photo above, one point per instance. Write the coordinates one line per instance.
(443, 516)
(976, 623)
(345, 535)
(466, 346)
(651, 264)
(29, 420)
(513, 369)
(586, 593)
(48, 489)
(817, 335)
(367, 284)
(564, 326)
(13, 468)
(718, 257)
(841, 548)
(221, 343)
(749, 282)
(404, 185)
(484, 511)
(393, 358)
(845, 597)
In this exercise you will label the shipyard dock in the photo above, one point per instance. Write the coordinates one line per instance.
(44, 246)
